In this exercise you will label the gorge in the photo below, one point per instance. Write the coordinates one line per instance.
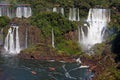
(44, 39)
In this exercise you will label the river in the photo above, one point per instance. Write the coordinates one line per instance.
(13, 68)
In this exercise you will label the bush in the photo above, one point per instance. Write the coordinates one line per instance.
(4, 20)
(69, 47)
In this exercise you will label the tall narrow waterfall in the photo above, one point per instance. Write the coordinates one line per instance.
(96, 26)
(17, 40)
(79, 39)
(74, 14)
(0, 11)
(12, 45)
(62, 11)
(53, 44)
(78, 16)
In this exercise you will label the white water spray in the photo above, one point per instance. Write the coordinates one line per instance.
(17, 40)
(97, 24)
(12, 45)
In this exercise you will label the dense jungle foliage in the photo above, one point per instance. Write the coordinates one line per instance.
(45, 19)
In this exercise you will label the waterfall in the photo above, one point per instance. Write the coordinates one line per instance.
(7, 10)
(74, 14)
(8, 14)
(78, 34)
(6, 39)
(12, 45)
(19, 12)
(0, 11)
(53, 44)
(58, 10)
(70, 14)
(23, 11)
(54, 9)
(97, 24)
(17, 41)
(78, 17)
(27, 12)
(62, 11)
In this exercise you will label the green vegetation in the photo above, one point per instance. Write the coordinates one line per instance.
(48, 20)
(4, 20)
(110, 74)
(69, 47)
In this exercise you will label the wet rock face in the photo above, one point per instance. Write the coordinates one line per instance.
(34, 35)
(27, 33)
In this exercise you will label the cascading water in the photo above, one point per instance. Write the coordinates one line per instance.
(6, 40)
(78, 18)
(79, 39)
(11, 42)
(97, 24)
(10, 12)
(12, 45)
(27, 12)
(53, 44)
(19, 12)
(62, 11)
(6, 10)
(17, 40)
(26, 38)
(0, 11)
(74, 14)
(54, 9)
(23, 11)
(59, 10)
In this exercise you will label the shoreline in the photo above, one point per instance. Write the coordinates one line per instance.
(97, 64)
